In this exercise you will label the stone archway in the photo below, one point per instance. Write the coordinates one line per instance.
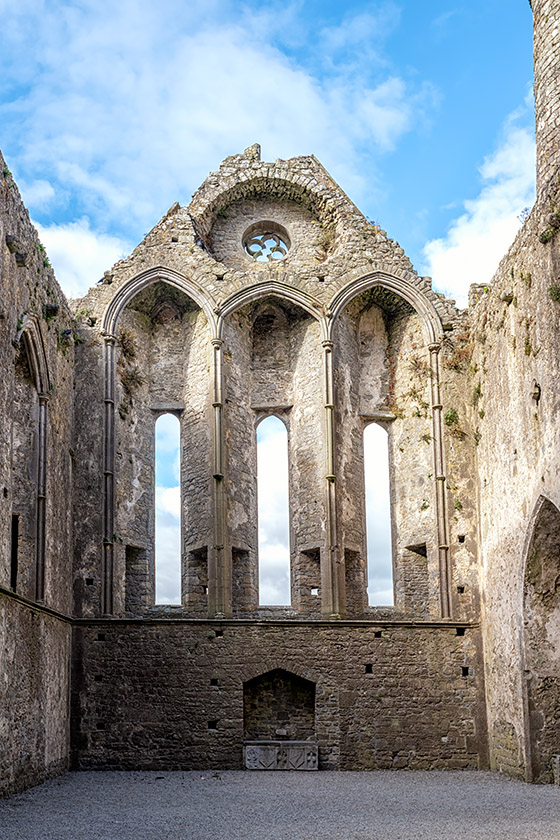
(542, 640)
(279, 722)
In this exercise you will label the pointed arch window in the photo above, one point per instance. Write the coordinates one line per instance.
(378, 516)
(273, 512)
(167, 510)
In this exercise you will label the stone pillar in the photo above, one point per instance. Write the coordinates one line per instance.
(219, 559)
(441, 500)
(108, 477)
(546, 52)
(332, 564)
(41, 500)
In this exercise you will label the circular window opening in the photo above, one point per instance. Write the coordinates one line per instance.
(266, 242)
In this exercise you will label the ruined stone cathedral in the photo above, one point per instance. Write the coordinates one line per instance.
(330, 329)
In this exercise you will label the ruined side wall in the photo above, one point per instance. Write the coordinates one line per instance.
(144, 696)
(34, 646)
(546, 50)
(34, 695)
(514, 407)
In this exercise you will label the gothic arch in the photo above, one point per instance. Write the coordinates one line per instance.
(434, 332)
(30, 332)
(251, 672)
(412, 295)
(541, 639)
(141, 281)
(272, 288)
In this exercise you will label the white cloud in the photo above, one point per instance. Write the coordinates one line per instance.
(274, 515)
(37, 195)
(128, 111)
(366, 30)
(478, 239)
(378, 516)
(168, 545)
(80, 255)
(168, 501)
(168, 559)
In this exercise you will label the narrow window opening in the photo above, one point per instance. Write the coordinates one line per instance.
(101, 637)
(212, 724)
(377, 634)
(465, 671)
(90, 581)
(369, 668)
(168, 510)
(314, 590)
(378, 516)
(460, 631)
(461, 538)
(219, 632)
(14, 552)
(273, 513)
(98, 678)
(213, 681)
(460, 589)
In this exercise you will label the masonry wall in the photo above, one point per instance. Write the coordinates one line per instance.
(34, 695)
(36, 331)
(515, 361)
(386, 696)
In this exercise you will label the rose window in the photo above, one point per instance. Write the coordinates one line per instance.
(266, 242)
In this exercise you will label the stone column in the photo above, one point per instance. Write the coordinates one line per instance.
(219, 558)
(441, 500)
(108, 477)
(332, 565)
(41, 500)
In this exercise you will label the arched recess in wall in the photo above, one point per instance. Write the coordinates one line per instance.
(279, 705)
(273, 512)
(273, 365)
(541, 613)
(155, 363)
(373, 319)
(29, 461)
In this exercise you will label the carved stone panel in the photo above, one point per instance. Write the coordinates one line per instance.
(281, 755)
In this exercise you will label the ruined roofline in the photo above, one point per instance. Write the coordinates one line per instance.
(303, 179)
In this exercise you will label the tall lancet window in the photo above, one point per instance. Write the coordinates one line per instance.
(378, 516)
(273, 512)
(168, 510)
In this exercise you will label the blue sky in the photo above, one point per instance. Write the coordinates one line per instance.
(421, 111)
(111, 112)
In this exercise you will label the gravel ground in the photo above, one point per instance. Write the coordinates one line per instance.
(237, 805)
